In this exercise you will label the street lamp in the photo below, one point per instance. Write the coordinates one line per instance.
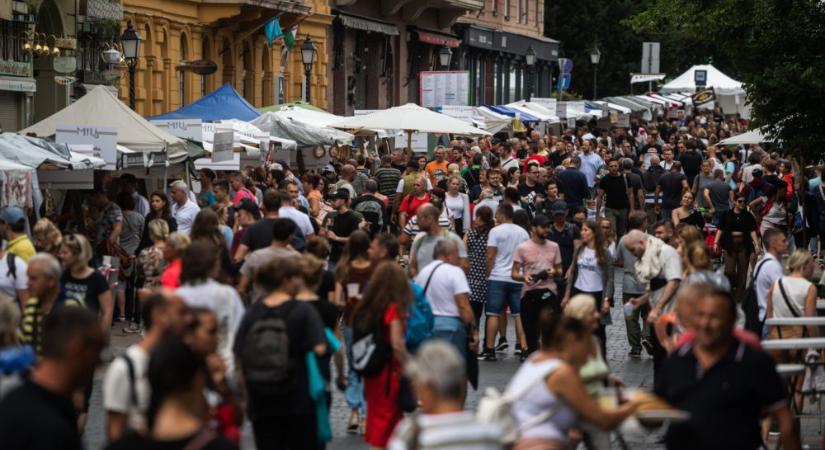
(444, 57)
(595, 56)
(131, 47)
(530, 59)
(308, 55)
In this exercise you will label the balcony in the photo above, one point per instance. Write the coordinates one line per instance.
(448, 10)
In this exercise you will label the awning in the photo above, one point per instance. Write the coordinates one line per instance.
(439, 39)
(511, 112)
(644, 77)
(361, 23)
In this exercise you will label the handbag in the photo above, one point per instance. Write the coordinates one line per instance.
(113, 249)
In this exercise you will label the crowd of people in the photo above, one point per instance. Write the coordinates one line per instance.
(394, 280)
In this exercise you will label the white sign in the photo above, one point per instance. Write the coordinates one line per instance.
(222, 146)
(102, 139)
(650, 57)
(444, 88)
(208, 130)
(420, 142)
(571, 122)
(233, 164)
(182, 128)
(465, 113)
(548, 103)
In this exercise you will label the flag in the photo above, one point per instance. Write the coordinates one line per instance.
(289, 37)
(272, 30)
(704, 99)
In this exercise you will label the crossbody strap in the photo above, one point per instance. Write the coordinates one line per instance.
(429, 278)
(788, 303)
(758, 269)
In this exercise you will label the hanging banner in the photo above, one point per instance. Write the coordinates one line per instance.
(222, 146)
(183, 128)
(444, 88)
(103, 140)
(704, 99)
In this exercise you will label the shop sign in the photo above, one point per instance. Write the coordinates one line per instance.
(102, 139)
(18, 85)
(222, 146)
(15, 68)
(191, 129)
(64, 64)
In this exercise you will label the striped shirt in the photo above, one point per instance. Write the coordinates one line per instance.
(387, 180)
(458, 430)
(31, 325)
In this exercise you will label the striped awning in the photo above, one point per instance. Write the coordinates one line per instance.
(362, 23)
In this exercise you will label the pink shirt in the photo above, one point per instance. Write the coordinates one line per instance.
(242, 194)
(534, 258)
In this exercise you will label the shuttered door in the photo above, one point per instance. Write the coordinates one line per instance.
(9, 111)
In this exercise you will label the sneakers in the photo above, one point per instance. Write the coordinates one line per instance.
(518, 351)
(133, 328)
(647, 346)
(502, 345)
(636, 354)
(354, 423)
(119, 319)
(487, 355)
(523, 357)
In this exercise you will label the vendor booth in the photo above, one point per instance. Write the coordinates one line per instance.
(730, 94)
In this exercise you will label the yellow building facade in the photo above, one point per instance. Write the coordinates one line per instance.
(230, 33)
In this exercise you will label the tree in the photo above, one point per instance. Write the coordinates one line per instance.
(775, 48)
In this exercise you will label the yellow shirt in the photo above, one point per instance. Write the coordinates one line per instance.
(22, 247)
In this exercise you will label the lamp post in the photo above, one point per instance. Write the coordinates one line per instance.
(530, 59)
(595, 56)
(308, 55)
(444, 57)
(131, 47)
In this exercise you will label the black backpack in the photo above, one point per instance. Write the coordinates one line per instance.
(265, 361)
(370, 350)
(373, 211)
(12, 266)
(750, 304)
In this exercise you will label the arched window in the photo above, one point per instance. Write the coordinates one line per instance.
(183, 56)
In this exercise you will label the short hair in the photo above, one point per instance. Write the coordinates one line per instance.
(580, 306)
(272, 275)
(512, 194)
(771, 234)
(150, 304)
(664, 223)
(505, 210)
(79, 245)
(272, 200)
(125, 200)
(636, 220)
(179, 185)
(798, 259)
(318, 246)
(371, 186)
(63, 326)
(428, 210)
(282, 229)
(178, 241)
(444, 247)
(438, 365)
(208, 173)
(223, 184)
(312, 269)
(388, 242)
(158, 230)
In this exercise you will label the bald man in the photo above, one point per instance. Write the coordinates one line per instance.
(423, 247)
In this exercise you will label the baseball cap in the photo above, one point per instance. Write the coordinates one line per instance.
(12, 215)
(328, 168)
(559, 207)
(757, 172)
(540, 220)
(342, 194)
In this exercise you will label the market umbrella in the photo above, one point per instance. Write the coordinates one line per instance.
(748, 137)
(410, 118)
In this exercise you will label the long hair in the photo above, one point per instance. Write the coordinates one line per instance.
(357, 247)
(388, 285)
(198, 263)
(165, 211)
(484, 220)
(206, 227)
(598, 241)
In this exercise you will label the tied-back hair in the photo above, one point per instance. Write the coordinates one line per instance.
(484, 220)
(388, 285)
(554, 329)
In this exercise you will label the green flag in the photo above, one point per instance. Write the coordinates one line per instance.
(289, 37)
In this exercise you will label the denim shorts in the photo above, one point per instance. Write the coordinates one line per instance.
(500, 293)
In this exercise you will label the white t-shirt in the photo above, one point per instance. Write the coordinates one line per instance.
(671, 270)
(447, 282)
(505, 238)
(300, 219)
(225, 302)
(768, 274)
(117, 387)
(185, 215)
(9, 285)
(455, 206)
(589, 277)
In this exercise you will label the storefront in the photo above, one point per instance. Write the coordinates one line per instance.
(498, 67)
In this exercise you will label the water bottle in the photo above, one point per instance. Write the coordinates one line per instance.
(628, 309)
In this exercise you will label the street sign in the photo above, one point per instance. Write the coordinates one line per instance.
(222, 146)
(650, 57)
(102, 140)
(700, 78)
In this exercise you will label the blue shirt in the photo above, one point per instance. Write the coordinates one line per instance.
(573, 184)
(591, 163)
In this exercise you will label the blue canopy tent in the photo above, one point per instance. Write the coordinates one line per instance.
(223, 104)
(511, 112)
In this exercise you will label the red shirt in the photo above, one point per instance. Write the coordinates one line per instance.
(411, 203)
(170, 277)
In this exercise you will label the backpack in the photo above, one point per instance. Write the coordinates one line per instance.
(496, 408)
(420, 318)
(750, 304)
(370, 350)
(267, 366)
(373, 211)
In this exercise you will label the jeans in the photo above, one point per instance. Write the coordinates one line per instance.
(618, 218)
(501, 293)
(533, 303)
(355, 385)
(635, 332)
(452, 330)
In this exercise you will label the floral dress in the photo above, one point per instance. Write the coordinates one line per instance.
(151, 265)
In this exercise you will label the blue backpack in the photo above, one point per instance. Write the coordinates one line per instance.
(419, 319)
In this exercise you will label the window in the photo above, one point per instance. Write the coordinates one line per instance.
(522, 11)
(506, 9)
(512, 83)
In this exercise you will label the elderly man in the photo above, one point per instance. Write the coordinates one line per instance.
(184, 210)
(46, 296)
(347, 176)
(423, 247)
(726, 385)
(445, 285)
(439, 380)
(660, 265)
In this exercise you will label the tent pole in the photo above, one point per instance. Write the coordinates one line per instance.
(409, 140)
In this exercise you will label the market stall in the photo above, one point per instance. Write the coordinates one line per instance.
(223, 104)
(730, 94)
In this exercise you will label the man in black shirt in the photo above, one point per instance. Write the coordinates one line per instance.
(725, 384)
(565, 234)
(615, 188)
(671, 186)
(39, 415)
(340, 224)
(259, 234)
(691, 161)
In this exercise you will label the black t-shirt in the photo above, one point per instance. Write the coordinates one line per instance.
(134, 441)
(259, 235)
(691, 164)
(615, 191)
(671, 188)
(725, 401)
(327, 284)
(573, 184)
(305, 330)
(34, 418)
(564, 239)
(85, 291)
(342, 225)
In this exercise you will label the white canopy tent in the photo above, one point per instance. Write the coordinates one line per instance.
(307, 128)
(748, 137)
(535, 109)
(101, 108)
(35, 152)
(410, 118)
(730, 94)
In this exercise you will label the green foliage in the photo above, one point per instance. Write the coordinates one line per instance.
(775, 47)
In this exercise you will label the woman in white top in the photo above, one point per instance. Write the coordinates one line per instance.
(457, 205)
(550, 397)
(794, 296)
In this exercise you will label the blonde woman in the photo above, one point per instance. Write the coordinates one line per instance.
(83, 284)
(46, 237)
(457, 205)
(794, 296)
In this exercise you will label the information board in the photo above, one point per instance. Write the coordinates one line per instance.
(444, 88)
